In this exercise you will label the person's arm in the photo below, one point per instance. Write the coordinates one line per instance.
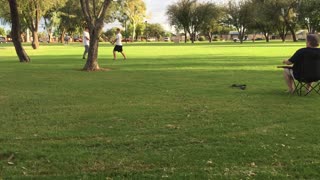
(297, 56)
(115, 40)
(287, 62)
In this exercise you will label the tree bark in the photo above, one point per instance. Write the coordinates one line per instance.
(185, 35)
(33, 23)
(241, 35)
(95, 23)
(210, 36)
(35, 39)
(266, 35)
(92, 62)
(15, 32)
(294, 37)
(193, 37)
(63, 33)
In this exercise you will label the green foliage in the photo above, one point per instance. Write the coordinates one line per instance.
(202, 38)
(2, 32)
(240, 15)
(133, 11)
(309, 15)
(192, 16)
(155, 30)
(71, 18)
(179, 15)
(4, 12)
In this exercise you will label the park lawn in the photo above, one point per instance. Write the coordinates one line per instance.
(166, 112)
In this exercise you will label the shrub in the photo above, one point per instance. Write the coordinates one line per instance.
(202, 38)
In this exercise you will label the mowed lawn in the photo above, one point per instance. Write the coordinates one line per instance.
(168, 112)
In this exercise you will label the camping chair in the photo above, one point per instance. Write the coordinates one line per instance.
(309, 72)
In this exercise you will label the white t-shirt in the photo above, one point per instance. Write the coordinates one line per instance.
(86, 35)
(119, 39)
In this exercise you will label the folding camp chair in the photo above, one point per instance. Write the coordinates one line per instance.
(309, 73)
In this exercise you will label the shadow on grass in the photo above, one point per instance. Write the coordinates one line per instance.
(216, 62)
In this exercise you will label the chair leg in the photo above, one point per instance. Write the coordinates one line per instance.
(316, 88)
(298, 88)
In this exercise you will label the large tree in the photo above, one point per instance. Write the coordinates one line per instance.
(263, 18)
(94, 13)
(201, 14)
(135, 11)
(309, 15)
(211, 22)
(240, 14)
(155, 30)
(180, 14)
(289, 15)
(32, 11)
(15, 31)
(70, 19)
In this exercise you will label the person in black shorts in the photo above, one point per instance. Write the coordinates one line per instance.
(118, 46)
(311, 46)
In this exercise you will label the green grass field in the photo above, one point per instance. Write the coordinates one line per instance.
(168, 112)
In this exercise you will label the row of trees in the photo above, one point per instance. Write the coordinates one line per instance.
(68, 16)
(281, 17)
(142, 29)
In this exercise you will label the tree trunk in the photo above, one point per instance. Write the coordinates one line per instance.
(283, 37)
(241, 35)
(283, 33)
(210, 37)
(95, 28)
(92, 61)
(49, 35)
(35, 39)
(15, 32)
(34, 26)
(61, 38)
(294, 37)
(192, 36)
(266, 35)
(133, 31)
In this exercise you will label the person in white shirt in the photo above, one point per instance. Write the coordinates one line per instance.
(86, 41)
(118, 46)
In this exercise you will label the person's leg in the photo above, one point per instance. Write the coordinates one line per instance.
(309, 86)
(114, 55)
(124, 55)
(115, 52)
(120, 49)
(86, 49)
(288, 79)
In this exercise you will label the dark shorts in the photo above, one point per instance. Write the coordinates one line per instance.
(118, 48)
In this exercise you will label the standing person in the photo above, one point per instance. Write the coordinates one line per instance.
(118, 46)
(86, 41)
(290, 73)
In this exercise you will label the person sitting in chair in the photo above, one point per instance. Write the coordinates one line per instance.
(293, 73)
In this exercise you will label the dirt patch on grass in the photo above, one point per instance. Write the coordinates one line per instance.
(98, 70)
